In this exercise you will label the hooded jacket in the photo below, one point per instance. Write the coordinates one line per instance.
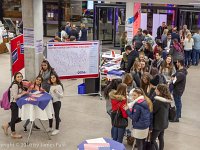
(161, 113)
(140, 115)
(179, 84)
(118, 102)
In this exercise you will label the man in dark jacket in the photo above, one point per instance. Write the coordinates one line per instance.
(137, 39)
(68, 28)
(83, 33)
(131, 59)
(175, 35)
(160, 30)
(179, 82)
(167, 43)
(74, 32)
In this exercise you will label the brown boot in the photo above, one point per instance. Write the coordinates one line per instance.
(14, 135)
(5, 128)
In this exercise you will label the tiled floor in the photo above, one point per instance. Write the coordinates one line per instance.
(84, 117)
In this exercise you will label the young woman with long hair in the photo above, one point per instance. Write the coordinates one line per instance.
(145, 82)
(148, 51)
(136, 73)
(188, 46)
(128, 80)
(111, 86)
(161, 106)
(176, 51)
(46, 71)
(16, 91)
(140, 115)
(167, 69)
(56, 91)
(118, 99)
(144, 67)
(36, 86)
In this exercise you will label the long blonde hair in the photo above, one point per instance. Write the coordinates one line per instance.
(165, 31)
(149, 102)
(189, 36)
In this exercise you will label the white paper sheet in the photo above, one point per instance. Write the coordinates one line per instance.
(98, 140)
(174, 79)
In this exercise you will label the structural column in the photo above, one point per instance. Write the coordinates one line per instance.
(129, 14)
(32, 16)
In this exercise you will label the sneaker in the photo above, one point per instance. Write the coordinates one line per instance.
(49, 129)
(36, 127)
(5, 128)
(14, 135)
(55, 132)
(25, 129)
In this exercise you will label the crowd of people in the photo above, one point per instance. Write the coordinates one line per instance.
(155, 79)
(47, 81)
(71, 33)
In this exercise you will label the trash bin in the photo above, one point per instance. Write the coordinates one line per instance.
(81, 88)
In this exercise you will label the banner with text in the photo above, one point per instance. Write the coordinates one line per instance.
(17, 54)
(137, 17)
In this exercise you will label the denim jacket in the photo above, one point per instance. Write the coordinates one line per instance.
(196, 38)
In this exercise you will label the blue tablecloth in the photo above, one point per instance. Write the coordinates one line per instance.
(116, 72)
(113, 145)
(41, 101)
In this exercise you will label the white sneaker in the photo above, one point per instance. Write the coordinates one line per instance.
(55, 132)
(49, 129)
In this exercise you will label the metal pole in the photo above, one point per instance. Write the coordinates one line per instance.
(27, 143)
(45, 130)
(10, 64)
(100, 54)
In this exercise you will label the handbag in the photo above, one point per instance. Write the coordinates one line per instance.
(172, 113)
(148, 145)
(118, 120)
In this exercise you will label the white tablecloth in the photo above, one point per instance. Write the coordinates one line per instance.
(32, 112)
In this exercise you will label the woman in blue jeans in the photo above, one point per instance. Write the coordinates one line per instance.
(188, 44)
(118, 100)
(140, 114)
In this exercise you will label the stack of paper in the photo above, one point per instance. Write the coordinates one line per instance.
(97, 146)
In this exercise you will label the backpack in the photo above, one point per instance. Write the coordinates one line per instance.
(5, 100)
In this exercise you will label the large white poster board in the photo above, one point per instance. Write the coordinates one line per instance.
(74, 59)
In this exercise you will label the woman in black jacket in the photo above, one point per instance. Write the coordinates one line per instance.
(161, 106)
(136, 73)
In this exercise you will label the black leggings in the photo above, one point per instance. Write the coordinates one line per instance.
(56, 106)
(14, 116)
(160, 135)
(140, 144)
